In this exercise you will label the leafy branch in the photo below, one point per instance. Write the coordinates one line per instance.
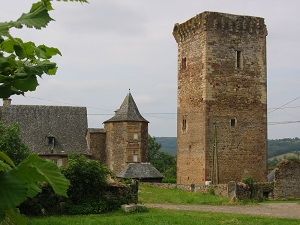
(22, 62)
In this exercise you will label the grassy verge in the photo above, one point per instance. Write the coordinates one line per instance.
(161, 217)
(148, 194)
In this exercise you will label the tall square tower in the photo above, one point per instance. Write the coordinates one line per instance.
(222, 98)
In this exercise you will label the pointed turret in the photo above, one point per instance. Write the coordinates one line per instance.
(126, 136)
(128, 112)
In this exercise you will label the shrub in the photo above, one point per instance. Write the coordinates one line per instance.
(88, 179)
(11, 143)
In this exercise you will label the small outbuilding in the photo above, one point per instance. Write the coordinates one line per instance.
(144, 172)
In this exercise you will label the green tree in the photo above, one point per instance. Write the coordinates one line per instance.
(17, 183)
(22, 62)
(88, 180)
(162, 161)
(11, 143)
(20, 65)
(153, 148)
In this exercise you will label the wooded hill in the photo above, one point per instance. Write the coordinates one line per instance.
(275, 147)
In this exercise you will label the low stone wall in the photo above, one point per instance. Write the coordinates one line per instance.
(287, 180)
(219, 189)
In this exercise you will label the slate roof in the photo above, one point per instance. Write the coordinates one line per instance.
(140, 171)
(128, 112)
(68, 125)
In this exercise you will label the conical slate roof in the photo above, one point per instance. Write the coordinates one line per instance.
(127, 112)
(140, 171)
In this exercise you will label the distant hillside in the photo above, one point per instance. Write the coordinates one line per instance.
(285, 156)
(282, 146)
(169, 144)
(275, 147)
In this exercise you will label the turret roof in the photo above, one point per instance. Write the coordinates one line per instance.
(127, 112)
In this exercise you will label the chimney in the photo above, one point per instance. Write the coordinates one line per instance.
(6, 101)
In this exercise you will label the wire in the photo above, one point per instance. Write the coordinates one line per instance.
(170, 113)
(284, 105)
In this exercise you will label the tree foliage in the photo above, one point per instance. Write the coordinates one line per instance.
(17, 183)
(163, 162)
(20, 65)
(22, 62)
(11, 143)
(87, 178)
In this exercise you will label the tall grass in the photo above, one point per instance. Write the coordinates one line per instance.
(162, 217)
(148, 194)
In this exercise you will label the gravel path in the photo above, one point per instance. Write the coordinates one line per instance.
(281, 210)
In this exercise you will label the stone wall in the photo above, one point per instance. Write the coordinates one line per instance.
(287, 180)
(222, 89)
(126, 142)
(96, 140)
(220, 189)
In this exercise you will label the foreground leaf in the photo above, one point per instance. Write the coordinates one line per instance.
(13, 191)
(15, 216)
(5, 158)
(38, 17)
(47, 172)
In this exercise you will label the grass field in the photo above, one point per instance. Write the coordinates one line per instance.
(161, 217)
(149, 194)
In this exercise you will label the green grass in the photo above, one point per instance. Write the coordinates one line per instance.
(161, 217)
(148, 194)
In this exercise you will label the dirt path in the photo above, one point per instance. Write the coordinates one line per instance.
(282, 210)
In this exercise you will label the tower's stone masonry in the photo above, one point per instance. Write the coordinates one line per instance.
(126, 136)
(127, 142)
(222, 98)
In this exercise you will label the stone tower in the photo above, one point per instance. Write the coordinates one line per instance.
(222, 98)
(126, 136)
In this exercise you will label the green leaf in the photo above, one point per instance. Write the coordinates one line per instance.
(5, 158)
(8, 46)
(19, 50)
(51, 71)
(29, 48)
(44, 52)
(26, 84)
(48, 172)
(2, 216)
(38, 17)
(13, 191)
(54, 177)
(4, 28)
(4, 167)
(15, 216)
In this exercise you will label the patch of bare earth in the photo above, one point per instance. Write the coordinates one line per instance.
(281, 210)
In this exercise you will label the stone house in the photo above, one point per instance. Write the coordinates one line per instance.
(222, 98)
(53, 132)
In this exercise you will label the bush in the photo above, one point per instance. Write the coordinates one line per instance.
(89, 192)
(88, 179)
(11, 143)
(45, 203)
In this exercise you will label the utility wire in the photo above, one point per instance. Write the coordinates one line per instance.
(284, 105)
(152, 114)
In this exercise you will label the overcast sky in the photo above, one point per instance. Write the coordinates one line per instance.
(111, 46)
